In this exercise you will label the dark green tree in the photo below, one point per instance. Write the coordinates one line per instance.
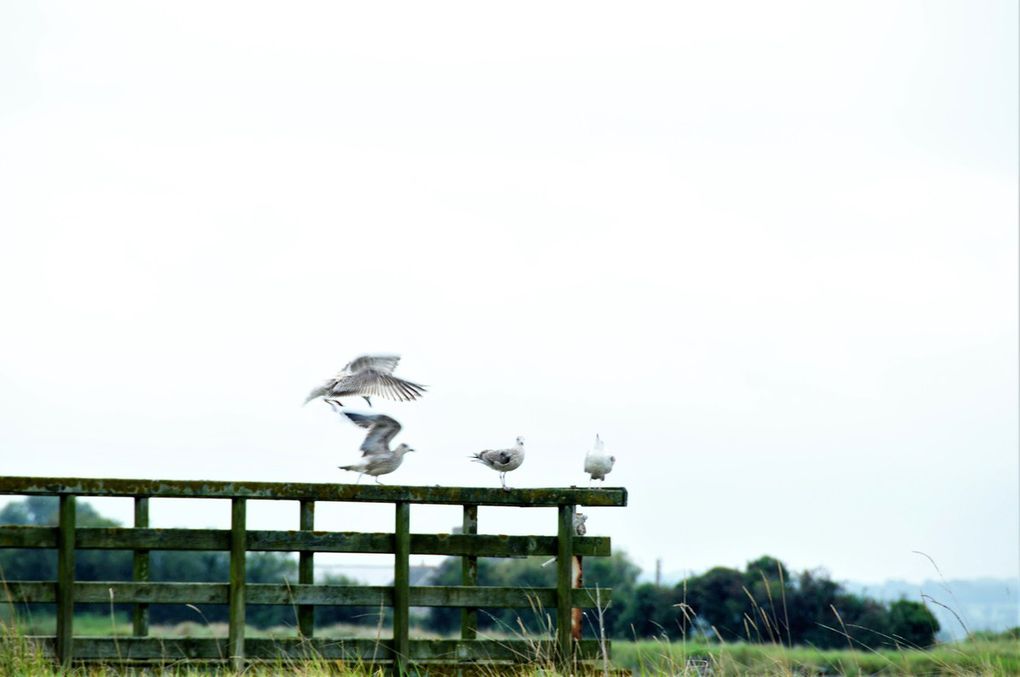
(912, 623)
(651, 612)
(717, 601)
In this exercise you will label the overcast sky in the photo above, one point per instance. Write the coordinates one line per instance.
(767, 250)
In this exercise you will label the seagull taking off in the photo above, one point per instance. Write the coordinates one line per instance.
(502, 460)
(367, 376)
(377, 458)
(597, 462)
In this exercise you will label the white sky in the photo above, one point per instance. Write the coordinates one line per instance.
(768, 251)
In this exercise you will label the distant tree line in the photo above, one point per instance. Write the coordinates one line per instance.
(764, 602)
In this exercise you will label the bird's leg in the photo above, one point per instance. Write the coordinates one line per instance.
(377, 480)
(502, 478)
(360, 475)
(367, 400)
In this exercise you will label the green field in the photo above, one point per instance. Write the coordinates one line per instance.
(978, 656)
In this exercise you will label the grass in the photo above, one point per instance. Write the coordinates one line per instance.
(982, 655)
(978, 657)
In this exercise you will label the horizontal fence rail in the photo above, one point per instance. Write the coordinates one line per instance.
(368, 650)
(400, 651)
(482, 545)
(320, 595)
(296, 491)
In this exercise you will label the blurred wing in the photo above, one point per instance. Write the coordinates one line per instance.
(380, 384)
(381, 429)
(384, 363)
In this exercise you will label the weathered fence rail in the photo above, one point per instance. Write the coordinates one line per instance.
(399, 650)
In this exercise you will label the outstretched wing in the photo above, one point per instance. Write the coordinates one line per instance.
(384, 363)
(381, 429)
(377, 383)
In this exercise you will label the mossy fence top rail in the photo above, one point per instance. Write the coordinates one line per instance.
(67, 537)
(298, 491)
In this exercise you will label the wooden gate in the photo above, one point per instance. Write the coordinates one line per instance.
(400, 650)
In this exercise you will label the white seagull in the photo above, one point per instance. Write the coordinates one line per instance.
(367, 376)
(597, 462)
(502, 460)
(377, 457)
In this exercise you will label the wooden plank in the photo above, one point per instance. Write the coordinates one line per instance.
(123, 538)
(401, 585)
(306, 571)
(479, 545)
(320, 541)
(30, 591)
(238, 547)
(376, 493)
(153, 593)
(28, 537)
(140, 570)
(65, 580)
(469, 574)
(430, 651)
(565, 536)
(310, 595)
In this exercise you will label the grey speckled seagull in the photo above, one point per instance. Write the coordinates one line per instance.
(369, 376)
(502, 460)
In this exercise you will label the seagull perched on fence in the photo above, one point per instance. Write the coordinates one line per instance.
(502, 460)
(597, 462)
(377, 457)
(369, 375)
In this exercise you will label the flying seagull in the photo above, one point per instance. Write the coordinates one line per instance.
(377, 457)
(368, 376)
(597, 462)
(502, 460)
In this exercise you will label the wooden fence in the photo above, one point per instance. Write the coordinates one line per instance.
(400, 650)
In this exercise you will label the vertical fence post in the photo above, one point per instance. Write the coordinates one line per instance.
(469, 575)
(65, 579)
(238, 546)
(306, 572)
(564, 561)
(401, 586)
(140, 569)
